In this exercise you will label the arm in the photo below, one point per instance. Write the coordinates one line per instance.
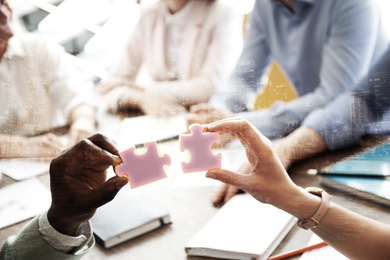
(346, 57)
(342, 122)
(300, 144)
(44, 147)
(82, 122)
(16, 247)
(355, 236)
(71, 101)
(78, 175)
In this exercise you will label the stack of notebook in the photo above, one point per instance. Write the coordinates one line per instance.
(366, 175)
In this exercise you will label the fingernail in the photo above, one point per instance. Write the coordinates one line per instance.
(117, 160)
(122, 182)
(210, 175)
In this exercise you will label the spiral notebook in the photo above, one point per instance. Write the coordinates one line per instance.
(373, 162)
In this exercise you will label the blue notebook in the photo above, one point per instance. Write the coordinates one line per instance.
(374, 162)
(376, 189)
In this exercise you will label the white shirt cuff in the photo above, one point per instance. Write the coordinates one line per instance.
(64, 243)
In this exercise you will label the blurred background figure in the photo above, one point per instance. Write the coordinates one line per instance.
(187, 47)
(38, 95)
(323, 67)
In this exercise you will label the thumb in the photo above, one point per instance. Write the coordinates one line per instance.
(228, 177)
(107, 191)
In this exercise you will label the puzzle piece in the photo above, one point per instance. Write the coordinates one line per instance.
(145, 168)
(199, 145)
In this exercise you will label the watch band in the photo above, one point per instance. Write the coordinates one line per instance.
(315, 220)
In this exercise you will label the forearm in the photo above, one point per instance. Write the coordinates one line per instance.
(15, 146)
(340, 123)
(354, 235)
(63, 242)
(303, 143)
(11, 146)
(15, 247)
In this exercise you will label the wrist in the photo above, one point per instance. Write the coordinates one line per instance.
(315, 219)
(299, 203)
(83, 112)
(85, 120)
(63, 223)
(61, 242)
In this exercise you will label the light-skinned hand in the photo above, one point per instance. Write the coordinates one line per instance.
(226, 191)
(78, 182)
(267, 181)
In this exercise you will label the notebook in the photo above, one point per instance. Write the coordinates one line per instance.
(376, 189)
(126, 217)
(243, 228)
(374, 162)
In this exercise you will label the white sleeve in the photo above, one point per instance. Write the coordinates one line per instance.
(64, 243)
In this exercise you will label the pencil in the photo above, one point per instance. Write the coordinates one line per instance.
(297, 251)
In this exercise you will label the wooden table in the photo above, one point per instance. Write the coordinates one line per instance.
(191, 208)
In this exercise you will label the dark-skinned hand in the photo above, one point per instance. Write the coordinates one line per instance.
(78, 182)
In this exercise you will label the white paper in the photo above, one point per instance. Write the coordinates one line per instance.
(20, 169)
(22, 200)
(322, 253)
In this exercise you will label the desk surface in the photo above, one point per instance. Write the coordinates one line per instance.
(191, 208)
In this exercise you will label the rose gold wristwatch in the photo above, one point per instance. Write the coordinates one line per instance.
(314, 221)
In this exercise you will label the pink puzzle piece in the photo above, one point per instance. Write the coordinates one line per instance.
(145, 168)
(199, 146)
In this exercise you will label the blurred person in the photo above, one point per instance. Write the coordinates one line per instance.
(37, 95)
(189, 49)
(325, 48)
(64, 231)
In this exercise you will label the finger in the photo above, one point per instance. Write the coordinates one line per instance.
(106, 191)
(249, 136)
(231, 191)
(87, 155)
(238, 180)
(219, 125)
(200, 108)
(105, 143)
(51, 141)
(193, 118)
(220, 195)
(96, 157)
